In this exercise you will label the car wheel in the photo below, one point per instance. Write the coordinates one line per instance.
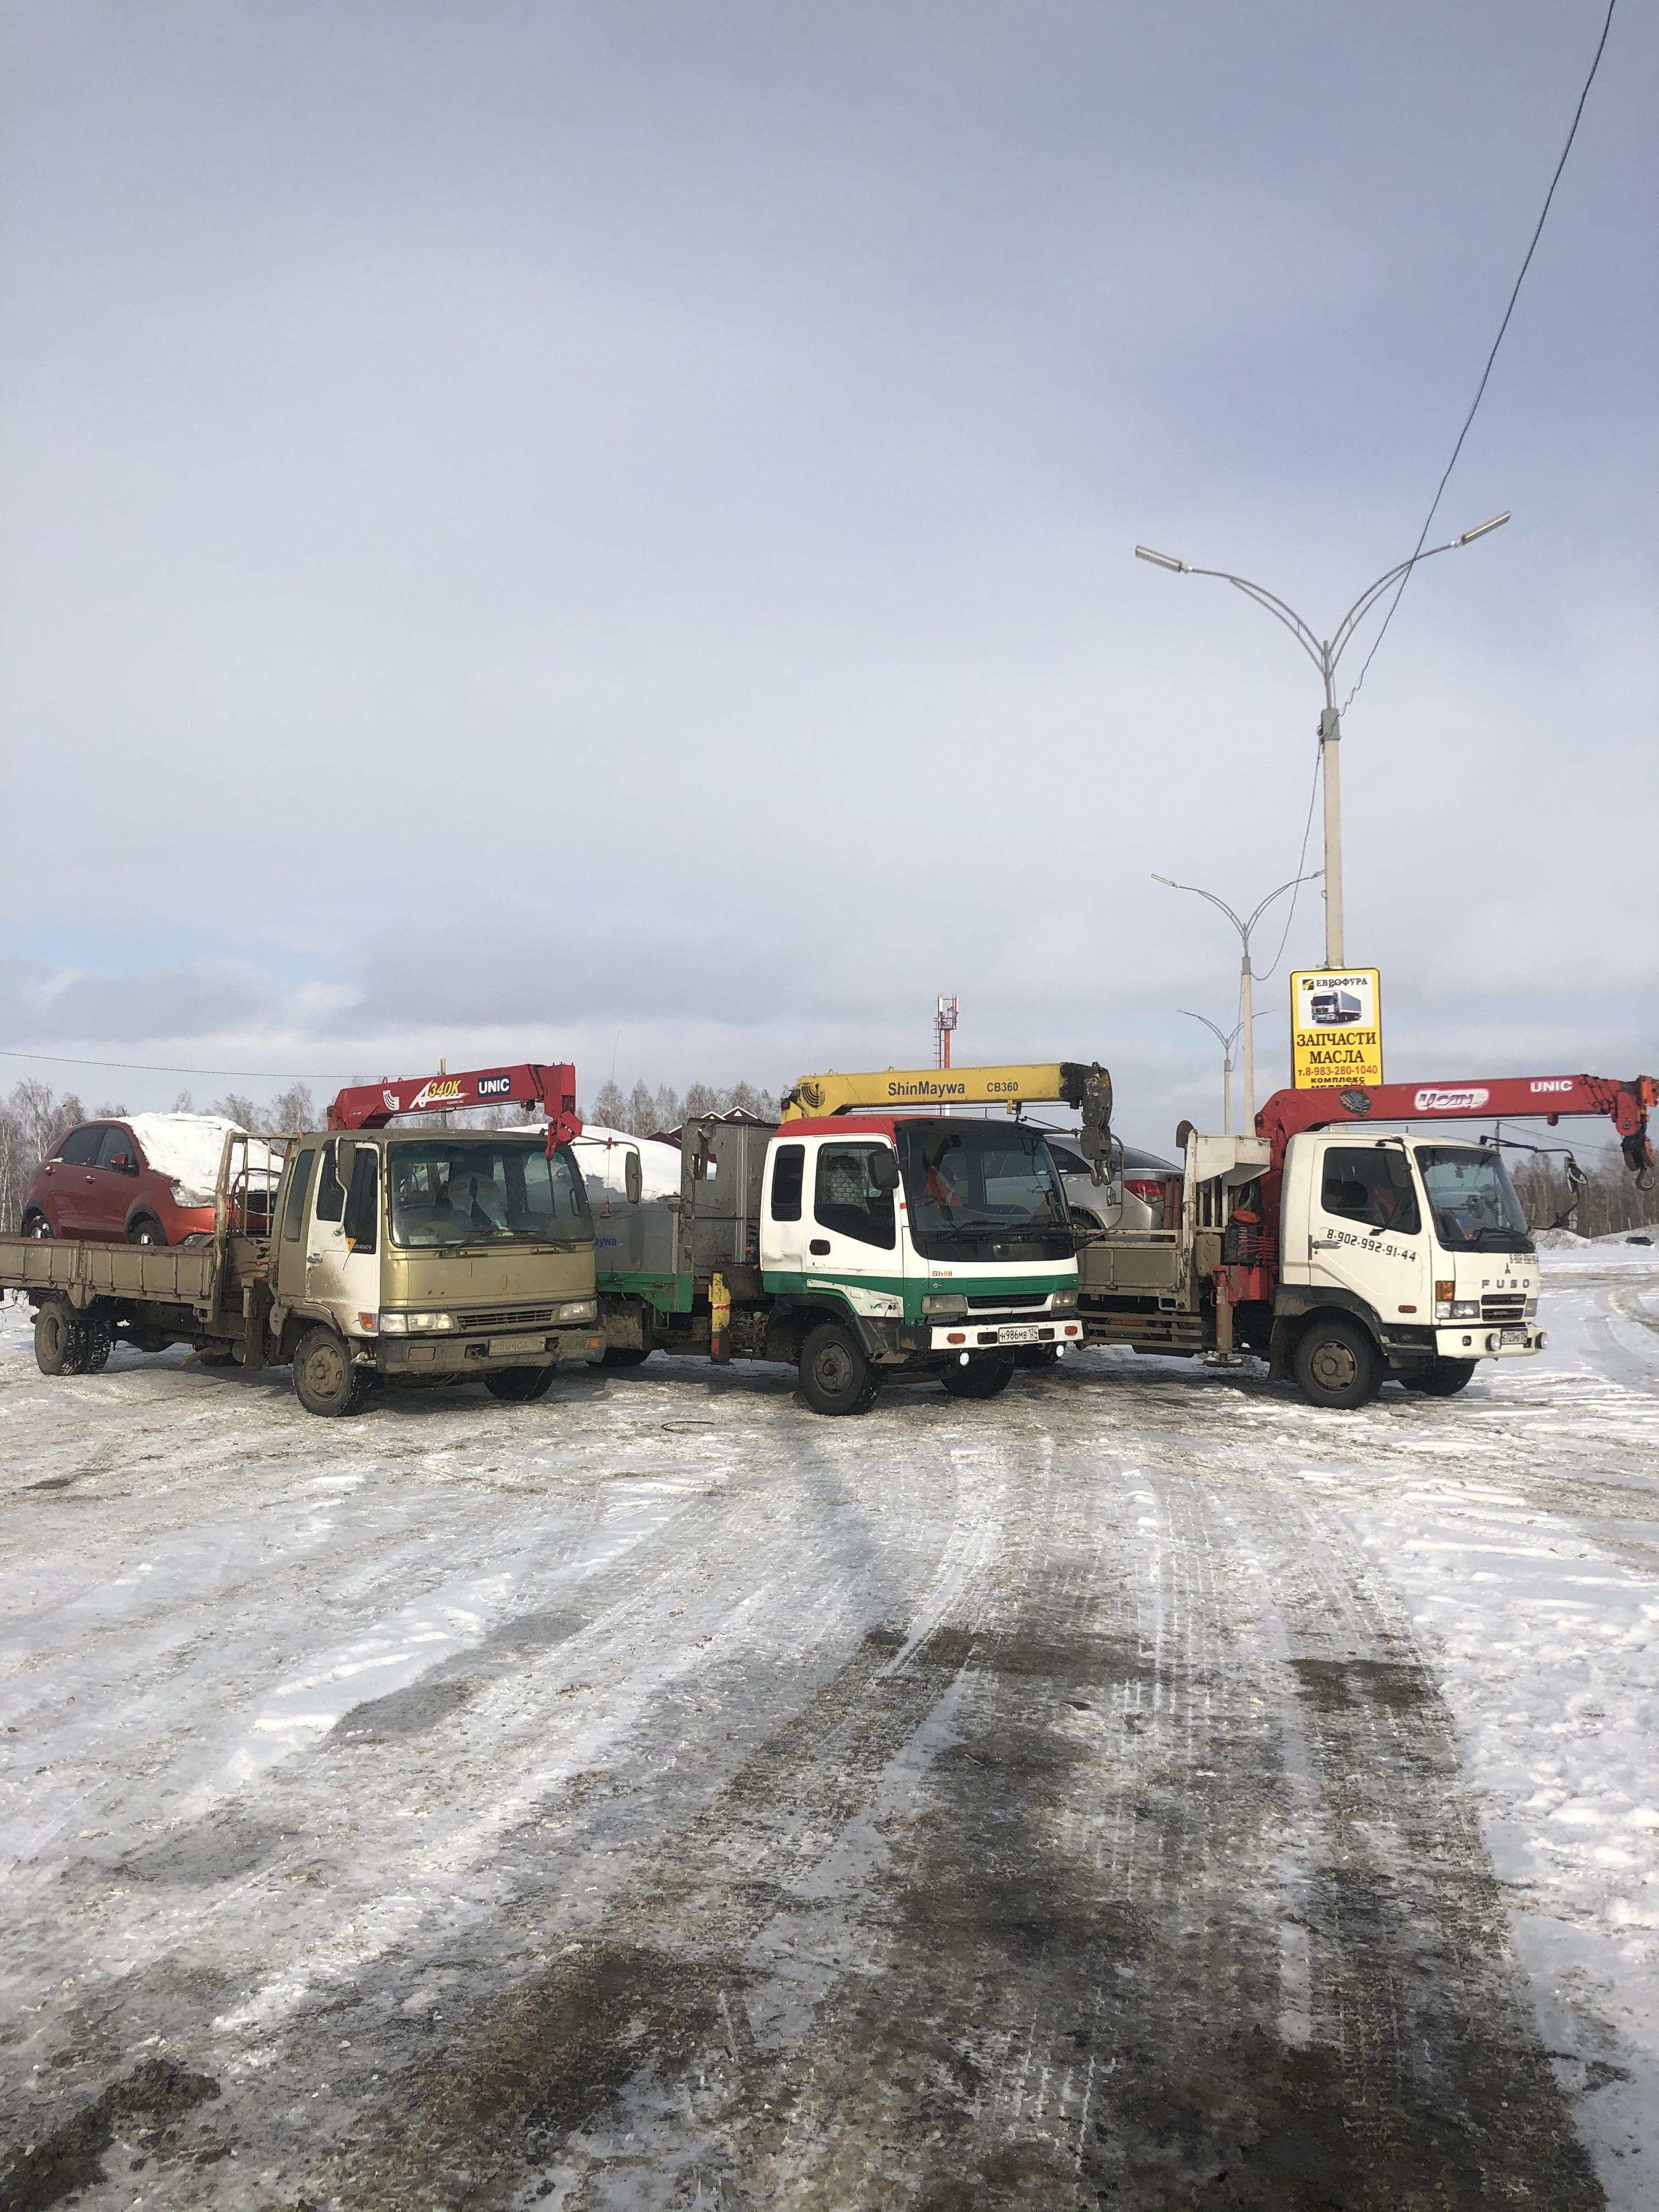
(985, 1377)
(517, 1386)
(145, 1229)
(325, 1379)
(36, 1224)
(1337, 1364)
(836, 1377)
(1443, 1380)
(60, 1339)
(623, 1355)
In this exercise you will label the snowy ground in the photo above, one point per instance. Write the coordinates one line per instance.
(1141, 1790)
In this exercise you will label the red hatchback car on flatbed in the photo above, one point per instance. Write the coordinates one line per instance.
(141, 1181)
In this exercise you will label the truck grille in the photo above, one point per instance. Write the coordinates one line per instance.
(1504, 1308)
(1007, 1301)
(507, 1317)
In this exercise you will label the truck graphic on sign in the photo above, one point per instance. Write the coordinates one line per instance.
(1334, 1009)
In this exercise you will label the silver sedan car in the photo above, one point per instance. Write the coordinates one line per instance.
(1133, 1199)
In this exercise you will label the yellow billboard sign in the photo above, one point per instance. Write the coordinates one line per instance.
(1336, 1028)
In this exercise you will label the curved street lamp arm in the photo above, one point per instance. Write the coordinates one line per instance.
(1279, 893)
(1211, 896)
(1276, 607)
(1225, 1043)
(1362, 606)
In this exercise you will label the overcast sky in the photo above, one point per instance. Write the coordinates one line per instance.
(547, 531)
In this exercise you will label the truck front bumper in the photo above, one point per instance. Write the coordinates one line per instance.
(480, 1355)
(974, 1336)
(1490, 1340)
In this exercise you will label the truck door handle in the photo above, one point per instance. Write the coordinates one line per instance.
(819, 1248)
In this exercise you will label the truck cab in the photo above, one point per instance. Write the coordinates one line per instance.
(1422, 1243)
(857, 1247)
(428, 1256)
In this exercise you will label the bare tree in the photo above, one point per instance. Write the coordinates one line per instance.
(610, 1108)
(293, 1109)
(233, 1107)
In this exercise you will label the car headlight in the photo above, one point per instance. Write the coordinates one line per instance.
(1063, 1301)
(414, 1324)
(1457, 1309)
(948, 1306)
(579, 1309)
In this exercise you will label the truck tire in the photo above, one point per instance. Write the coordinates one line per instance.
(100, 1340)
(60, 1339)
(836, 1377)
(1336, 1364)
(624, 1355)
(985, 1377)
(1443, 1380)
(517, 1386)
(324, 1380)
(36, 1224)
(145, 1229)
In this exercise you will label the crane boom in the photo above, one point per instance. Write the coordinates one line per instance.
(532, 1083)
(1085, 1085)
(1505, 1097)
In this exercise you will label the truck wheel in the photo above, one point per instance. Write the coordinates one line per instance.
(985, 1377)
(324, 1380)
(517, 1386)
(623, 1355)
(836, 1377)
(60, 1339)
(36, 1224)
(146, 1230)
(1443, 1380)
(100, 1340)
(1337, 1364)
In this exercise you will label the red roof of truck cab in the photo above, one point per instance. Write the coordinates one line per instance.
(849, 1125)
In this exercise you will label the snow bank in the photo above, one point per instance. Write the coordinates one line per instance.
(603, 1155)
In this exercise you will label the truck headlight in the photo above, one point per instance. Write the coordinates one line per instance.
(415, 1324)
(1457, 1309)
(579, 1309)
(1063, 1301)
(946, 1306)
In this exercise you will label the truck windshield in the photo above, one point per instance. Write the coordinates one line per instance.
(1472, 1201)
(978, 1192)
(445, 1190)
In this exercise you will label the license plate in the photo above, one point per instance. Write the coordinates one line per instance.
(1019, 1332)
(1511, 1336)
(504, 1347)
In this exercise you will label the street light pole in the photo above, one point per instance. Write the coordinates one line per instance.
(1325, 653)
(1246, 973)
(1226, 1044)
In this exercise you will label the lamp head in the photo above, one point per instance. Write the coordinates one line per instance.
(1169, 561)
(1481, 528)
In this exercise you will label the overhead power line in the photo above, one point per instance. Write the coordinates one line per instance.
(1486, 372)
(154, 1067)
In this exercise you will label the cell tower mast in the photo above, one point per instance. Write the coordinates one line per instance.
(945, 1020)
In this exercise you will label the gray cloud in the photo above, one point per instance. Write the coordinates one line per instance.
(540, 521)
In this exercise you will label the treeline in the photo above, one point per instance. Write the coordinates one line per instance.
(1595, 1201)
(642, 1111)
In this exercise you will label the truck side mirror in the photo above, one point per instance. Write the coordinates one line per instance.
(884, 1170)
(632, 1178)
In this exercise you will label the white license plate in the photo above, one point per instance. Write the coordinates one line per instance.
(503, 1348)
(1019, 1332)
(1511, 1336)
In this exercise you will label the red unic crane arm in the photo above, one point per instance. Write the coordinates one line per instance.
(1505, 1097)
(372, 1105)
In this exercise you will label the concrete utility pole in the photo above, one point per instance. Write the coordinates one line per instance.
(1226, 1044)
(1325, 654)
(1246, 973)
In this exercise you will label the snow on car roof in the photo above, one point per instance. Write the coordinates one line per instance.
(188, 1148)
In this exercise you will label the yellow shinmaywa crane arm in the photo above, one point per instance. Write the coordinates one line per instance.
(1074, 1082)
